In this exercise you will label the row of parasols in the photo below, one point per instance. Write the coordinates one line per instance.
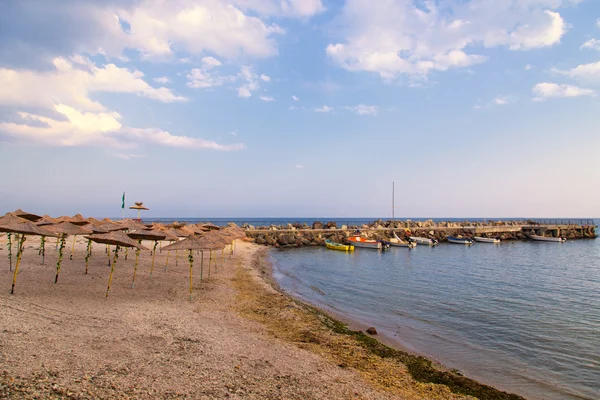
(121, 234)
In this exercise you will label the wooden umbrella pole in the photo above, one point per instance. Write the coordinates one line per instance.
(60, 257)
(57, 241)
(126, 251)
(137, 254)
(19, 253)
(176, 256)
(209, 260)
(112, 269)
(191, 259)
(9, 236)
(108, 254)
(72, 248)
(153, 255)
(43, 249)
(222, 258)
(201, 264)
(167, 262)
(88, 253)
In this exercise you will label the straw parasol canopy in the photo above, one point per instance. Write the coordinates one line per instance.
(190, 243)
(11, 219)
(111, 226)
(96, 228)
(78, 219)
(27, 215)
(116, 238)
(139, 205)
(93, 220)
(46, 220)
(26, 228)
(193, 242)
(147, 235)
(170, 234)
(131, 225)
(209, 227)
(67, 228)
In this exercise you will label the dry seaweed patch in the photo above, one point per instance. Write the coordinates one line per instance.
(389, 370)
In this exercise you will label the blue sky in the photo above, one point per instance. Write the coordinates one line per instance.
(253, 108)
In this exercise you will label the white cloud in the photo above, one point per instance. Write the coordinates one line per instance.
(295, 98)
(265, 78)
(529, 67)
(88, 128)
(159, 28)
(126, 156)
(164, 138)
(287, 8)
(543, 91)
(162, 79)
(299, 166)
(251, 82)
(584, 72)
(593, 44)
(207, 75)
(267, 98)
(598, 22)
(324, 109)
(72, 81)
(502, 100)
(398, 37)
(362, 109)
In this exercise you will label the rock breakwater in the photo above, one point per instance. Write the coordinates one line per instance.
(298, 235)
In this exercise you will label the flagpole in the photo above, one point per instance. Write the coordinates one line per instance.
(123, 206)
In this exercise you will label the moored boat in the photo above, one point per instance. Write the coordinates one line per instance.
(486, 240)
(457, 240)
(397, 242)
(547, 239)
(358, 241)
(424, 241)
(338, 246)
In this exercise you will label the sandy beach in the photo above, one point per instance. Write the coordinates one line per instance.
(239, 337)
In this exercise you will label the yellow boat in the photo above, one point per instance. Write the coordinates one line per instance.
(338, 246)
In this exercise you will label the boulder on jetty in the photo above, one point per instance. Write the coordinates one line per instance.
(317, 225)
(372, 331)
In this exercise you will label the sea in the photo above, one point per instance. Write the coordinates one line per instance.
(521, 316)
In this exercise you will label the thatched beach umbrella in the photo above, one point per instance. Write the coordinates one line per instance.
(191, 243)
(171, 236)
(131, 225)
(46, 220)
(148, 235)
(24, 228)
(209, 227)
(27, 215)
(11, 219)
(139, 205)
(63, 229)
(78, 219)
(118, 239)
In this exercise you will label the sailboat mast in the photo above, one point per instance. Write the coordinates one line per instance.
(393, 202)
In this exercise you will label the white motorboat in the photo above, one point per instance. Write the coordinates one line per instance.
(397, 242)
(424, 241)
(547, 239)
(358, 241)
(486, 240)
(459, 240)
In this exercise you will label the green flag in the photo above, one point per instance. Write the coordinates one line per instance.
(123, 201)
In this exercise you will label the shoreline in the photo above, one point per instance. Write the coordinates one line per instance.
(357, 327)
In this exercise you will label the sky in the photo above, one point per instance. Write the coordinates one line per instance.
(301, 108)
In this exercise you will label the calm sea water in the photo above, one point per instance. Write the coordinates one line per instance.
(522, 316)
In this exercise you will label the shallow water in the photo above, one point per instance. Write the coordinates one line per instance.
(522, 316)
